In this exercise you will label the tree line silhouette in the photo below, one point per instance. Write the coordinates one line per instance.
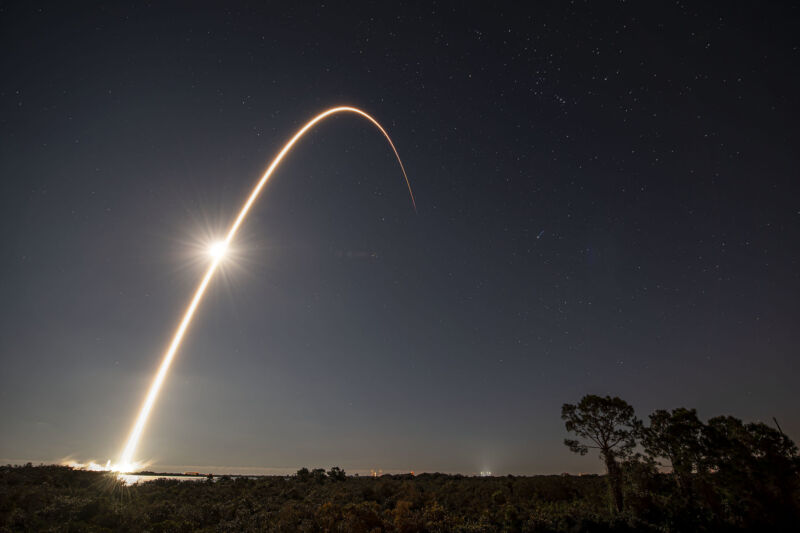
(670, 473)
(722, 473)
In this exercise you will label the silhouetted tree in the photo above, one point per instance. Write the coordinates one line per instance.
(318, 475)
(610, 427)
(337, 474)
(303, 474)
(756, 471)
(676, 436)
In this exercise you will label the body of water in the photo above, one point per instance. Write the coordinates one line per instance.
(132, 479)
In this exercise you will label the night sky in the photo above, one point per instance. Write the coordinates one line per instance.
(607, 203)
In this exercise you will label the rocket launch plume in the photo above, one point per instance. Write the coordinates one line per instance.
(126, 461)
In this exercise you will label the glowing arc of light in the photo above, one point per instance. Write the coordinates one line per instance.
(126, 459)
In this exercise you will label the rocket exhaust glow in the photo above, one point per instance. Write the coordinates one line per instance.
(126, 462)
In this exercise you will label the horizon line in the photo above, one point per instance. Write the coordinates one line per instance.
(220, 470)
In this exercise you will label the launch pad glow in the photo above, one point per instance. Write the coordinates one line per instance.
(217, 253)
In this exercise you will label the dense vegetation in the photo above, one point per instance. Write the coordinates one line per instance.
(723, 475)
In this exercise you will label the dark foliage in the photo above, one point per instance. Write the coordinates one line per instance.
(726, 475)
(722, 476)
(608, 425)
(57, 498)
(677, 437)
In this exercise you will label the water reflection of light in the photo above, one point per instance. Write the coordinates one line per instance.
(133, 479)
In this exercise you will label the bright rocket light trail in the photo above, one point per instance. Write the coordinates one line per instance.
(126, 462)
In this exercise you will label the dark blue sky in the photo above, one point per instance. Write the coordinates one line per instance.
(607, 202)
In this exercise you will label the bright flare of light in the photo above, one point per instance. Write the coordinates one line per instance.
(107, 467)
(126, 463)
(218, 249)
